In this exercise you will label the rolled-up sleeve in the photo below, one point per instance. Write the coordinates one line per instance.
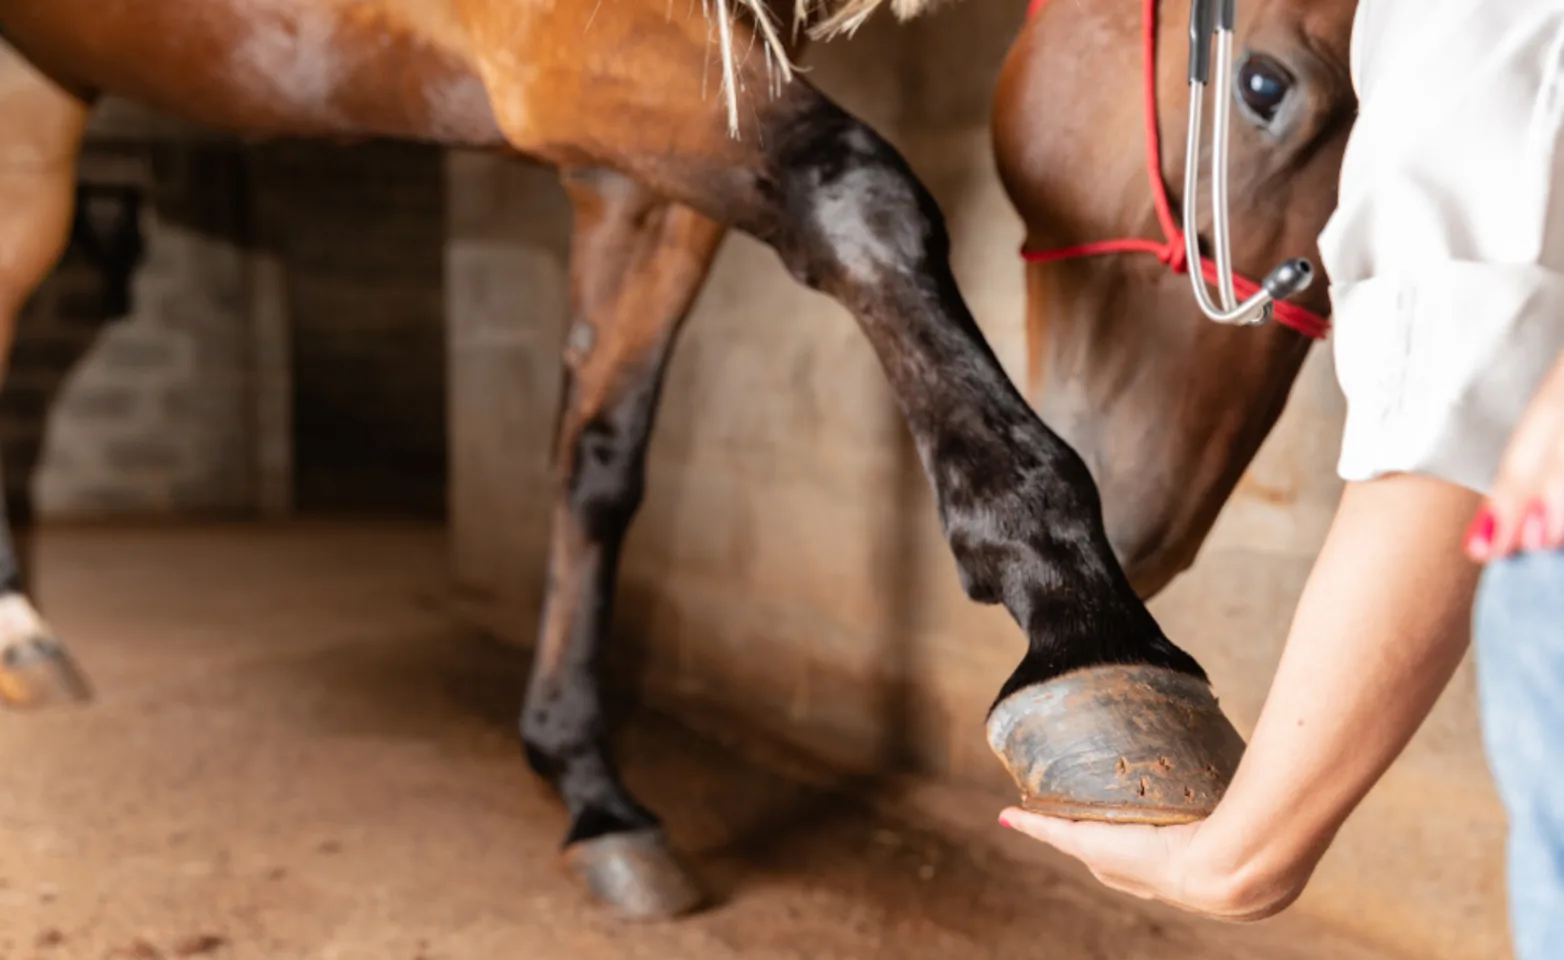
(1446, 251)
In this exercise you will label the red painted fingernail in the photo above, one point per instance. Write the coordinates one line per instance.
(1479, 536)
(1534, 528)
(1004, 822)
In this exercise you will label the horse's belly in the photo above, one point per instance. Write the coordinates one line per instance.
(268, 67)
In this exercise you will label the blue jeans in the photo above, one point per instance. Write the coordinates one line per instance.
(1518, 626)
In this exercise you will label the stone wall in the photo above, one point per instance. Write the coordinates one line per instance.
(787, 564)
(284, 350)
(146, 413)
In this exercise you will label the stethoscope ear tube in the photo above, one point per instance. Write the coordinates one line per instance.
(1202, 23)
(1208, 18)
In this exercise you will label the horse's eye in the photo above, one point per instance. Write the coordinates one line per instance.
(1262, 86)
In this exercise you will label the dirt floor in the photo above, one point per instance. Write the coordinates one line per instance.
(295, 753)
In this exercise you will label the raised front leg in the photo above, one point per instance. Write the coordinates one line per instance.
(637, 262)
(40, 134)
(1104, 718)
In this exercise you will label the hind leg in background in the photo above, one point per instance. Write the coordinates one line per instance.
(41, 128)
(637, 262)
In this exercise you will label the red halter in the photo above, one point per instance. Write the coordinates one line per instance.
(1171, 252)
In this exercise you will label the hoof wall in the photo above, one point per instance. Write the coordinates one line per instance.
(635, 874)
(39, 672)
(1125, 744)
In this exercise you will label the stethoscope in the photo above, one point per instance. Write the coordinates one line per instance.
(1219, 17)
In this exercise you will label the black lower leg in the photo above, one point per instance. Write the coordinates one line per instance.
(13, 511)
(637, 262)
(563, 724)
(1018, 506)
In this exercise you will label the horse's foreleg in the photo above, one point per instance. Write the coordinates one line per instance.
(40, 135)
(637, 262)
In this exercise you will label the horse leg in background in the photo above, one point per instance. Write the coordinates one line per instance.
(637, 262)
(41, 127)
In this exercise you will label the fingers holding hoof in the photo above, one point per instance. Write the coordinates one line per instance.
(635, 874)
(35, 668)
(1124, 744)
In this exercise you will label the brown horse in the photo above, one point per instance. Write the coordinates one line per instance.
(1166, 407)
(616, 99)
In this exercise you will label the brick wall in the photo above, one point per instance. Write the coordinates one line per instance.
(506, 299)
(284, 351)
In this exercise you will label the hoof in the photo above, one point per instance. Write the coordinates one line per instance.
(635, 874)
(35, 669)
(1126, 744)
(39, 672)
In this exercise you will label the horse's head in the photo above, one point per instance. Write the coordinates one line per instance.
(1165, 406)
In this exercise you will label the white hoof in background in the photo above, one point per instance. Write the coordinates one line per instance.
(35, 669)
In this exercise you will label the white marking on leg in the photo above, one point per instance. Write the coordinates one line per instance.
(20, 623)
(869, 215)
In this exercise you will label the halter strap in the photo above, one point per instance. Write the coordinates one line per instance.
(1171, 250)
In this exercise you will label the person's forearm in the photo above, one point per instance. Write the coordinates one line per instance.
(1381, 626)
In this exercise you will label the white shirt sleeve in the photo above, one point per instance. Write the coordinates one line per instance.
(1446, 250)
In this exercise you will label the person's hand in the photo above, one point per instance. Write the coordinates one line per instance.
(1525, 509)
(1178, 865)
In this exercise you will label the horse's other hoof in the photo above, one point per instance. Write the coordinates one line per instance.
(35, 669)
(635, 874)
(1127, 744)
(39, 672)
